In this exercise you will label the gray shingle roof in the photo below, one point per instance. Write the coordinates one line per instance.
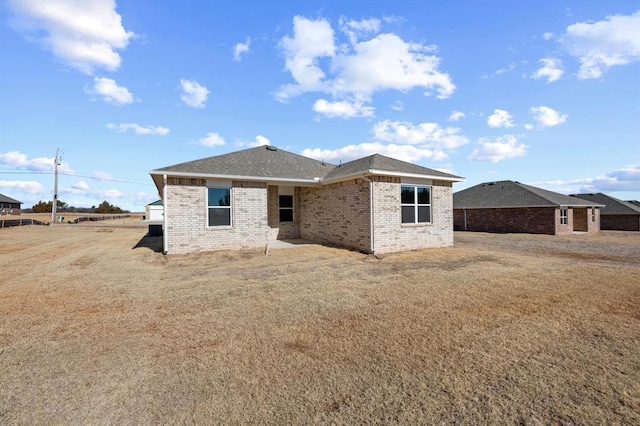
(379, 162)
(507, 194)
(613, 206)
(263, 161)
(277, 164)
(5, 199)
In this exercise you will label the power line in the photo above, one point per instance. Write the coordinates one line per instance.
(21, 172)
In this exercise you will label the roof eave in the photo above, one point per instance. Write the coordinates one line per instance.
(450, 178)
(274, 179)
(557, 206)
(376, 172)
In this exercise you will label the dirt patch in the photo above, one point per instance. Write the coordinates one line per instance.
(100, 327)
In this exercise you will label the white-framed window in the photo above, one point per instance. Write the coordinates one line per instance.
(593, 214)
(415, 203)
(564, 215)
(285, 207)
(218, 206)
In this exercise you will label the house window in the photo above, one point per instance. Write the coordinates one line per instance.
(286, 208)
(564, 215)
(219, 206)
(593, 214)
(415, 204)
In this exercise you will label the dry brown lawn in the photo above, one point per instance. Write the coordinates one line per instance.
(98, 328)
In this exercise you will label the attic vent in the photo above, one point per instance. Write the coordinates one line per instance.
(271, 148)
(491, 183)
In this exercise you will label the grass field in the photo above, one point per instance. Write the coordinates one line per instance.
(98, 328)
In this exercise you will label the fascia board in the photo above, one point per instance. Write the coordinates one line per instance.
(236, 177)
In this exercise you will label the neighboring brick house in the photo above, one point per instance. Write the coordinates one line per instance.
(508, 206)
(247, 198)
(617, 214)
(9, 206)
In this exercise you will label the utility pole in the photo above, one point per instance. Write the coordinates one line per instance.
(56, 163)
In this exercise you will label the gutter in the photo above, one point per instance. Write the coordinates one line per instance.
(165, 230)
(313, 181)
(371, 227)
(394, 174)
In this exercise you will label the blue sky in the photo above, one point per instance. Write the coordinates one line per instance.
(542, 92)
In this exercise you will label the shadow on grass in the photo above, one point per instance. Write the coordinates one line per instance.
(152, 243)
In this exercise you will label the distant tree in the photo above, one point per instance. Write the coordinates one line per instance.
(107, 208)
(45, 206)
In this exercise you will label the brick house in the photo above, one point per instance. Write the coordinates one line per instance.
(508, 206)
(247, 198)
(616, 214)
(9, 206)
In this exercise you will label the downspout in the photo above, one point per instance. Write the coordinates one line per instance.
(165, 231)
(465, 218)
(370, 213)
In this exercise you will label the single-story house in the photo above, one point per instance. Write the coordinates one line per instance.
(248, 198)
(617, 214)
(154, 211)
(509, 206)
(9, 206)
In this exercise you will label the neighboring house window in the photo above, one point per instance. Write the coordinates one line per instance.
(219, 206)
(415, 204)
(286, 208)
(593, 214)
(564, 215)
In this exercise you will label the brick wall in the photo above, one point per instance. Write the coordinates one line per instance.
(391, 235)
(583, 219)
(186, 210)
(337, 214)
(532, 220)
(282, 230)
(620, 222)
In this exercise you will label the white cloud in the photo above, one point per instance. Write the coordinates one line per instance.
(83, 34)
(342, 109)
(456, 115)
(80, 185)
(359, 67)
(27, 187)
(138, 129)
(193, 94)
(355, 30)
(506, 69)
(500, 118)
(428, 135)
(110, 91)
(625, 179)
(603, 44)
(529, 126)
(212, 139)
(408, 153)
(397, 106)
(547, 36)
(501, 148)
(311, 40)
(388, 62)
(548, 117)
(551, 70)
(19, 160)
(259, 141)
(240, 49)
